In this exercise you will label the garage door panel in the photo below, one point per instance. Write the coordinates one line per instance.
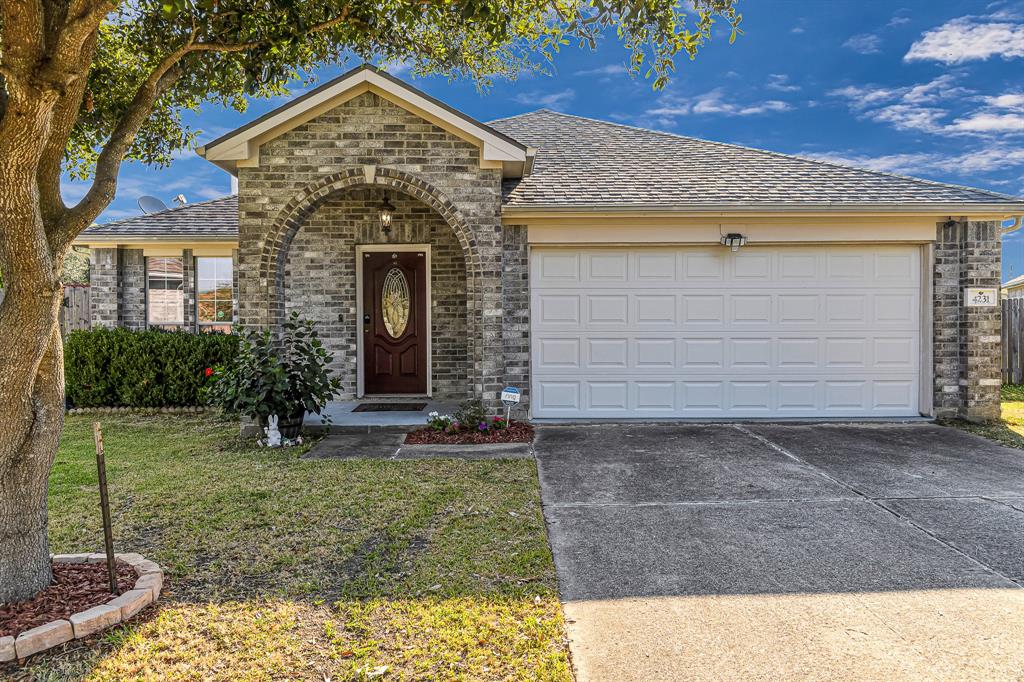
(704, 332)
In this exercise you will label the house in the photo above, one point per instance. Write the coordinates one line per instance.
(1013, 288)
(607, 271)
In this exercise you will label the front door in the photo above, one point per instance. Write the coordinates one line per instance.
(395, 322)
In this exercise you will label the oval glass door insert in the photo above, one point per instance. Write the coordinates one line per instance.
(394, 302)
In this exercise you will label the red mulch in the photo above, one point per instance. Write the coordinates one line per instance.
(75, 588)
(515, 432)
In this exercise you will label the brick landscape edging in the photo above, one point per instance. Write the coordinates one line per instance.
(146, 591)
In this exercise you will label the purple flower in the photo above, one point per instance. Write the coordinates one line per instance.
(483, 426)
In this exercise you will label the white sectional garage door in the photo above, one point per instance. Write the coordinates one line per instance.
(824, 331)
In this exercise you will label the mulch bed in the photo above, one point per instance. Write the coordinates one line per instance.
(75, 588)
(515, 432)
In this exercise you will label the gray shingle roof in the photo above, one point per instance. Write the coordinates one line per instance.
(214, 219)
(585, 162)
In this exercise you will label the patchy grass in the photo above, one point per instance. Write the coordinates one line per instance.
(281, 568)
(1009, 430)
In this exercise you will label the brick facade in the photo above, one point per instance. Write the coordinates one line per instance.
(312, 199)
(320, 281)
(966, 350)
(515, 301)
(369, 142)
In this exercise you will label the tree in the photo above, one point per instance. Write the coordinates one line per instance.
(85, 84)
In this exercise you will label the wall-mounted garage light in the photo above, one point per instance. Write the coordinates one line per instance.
(387, 214)
(734, 240)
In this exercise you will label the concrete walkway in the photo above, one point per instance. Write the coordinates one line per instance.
(780, 552)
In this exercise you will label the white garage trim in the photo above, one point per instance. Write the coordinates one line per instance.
(702, 332)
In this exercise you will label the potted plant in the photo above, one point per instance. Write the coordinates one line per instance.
(283, 374)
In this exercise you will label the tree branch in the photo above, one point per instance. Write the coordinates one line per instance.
(104, 185)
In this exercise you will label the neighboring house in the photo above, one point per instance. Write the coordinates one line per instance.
(1014, 288)
(580, 260)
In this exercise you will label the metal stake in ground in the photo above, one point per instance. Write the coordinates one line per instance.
(108, 531)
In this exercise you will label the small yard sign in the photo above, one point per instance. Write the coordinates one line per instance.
(980, 298)
(510, 396)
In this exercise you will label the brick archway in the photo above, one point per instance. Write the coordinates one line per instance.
(290, 219)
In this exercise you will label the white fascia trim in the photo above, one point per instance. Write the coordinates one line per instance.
(711, 210)
(240, 147)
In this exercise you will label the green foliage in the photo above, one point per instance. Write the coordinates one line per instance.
(225, 51)
(284, 374)
(124, 368)
(471, 414)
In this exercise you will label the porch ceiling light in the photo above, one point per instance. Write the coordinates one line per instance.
(734, 240)
(387, 214)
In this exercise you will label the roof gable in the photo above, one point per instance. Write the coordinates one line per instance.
(241, 147)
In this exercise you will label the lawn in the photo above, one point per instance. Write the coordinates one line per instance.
(281, 568)
(1010, 429)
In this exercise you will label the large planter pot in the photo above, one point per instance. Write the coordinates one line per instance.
(290, 427)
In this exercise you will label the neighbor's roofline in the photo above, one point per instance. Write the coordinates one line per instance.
(497, 145)
(128, 238)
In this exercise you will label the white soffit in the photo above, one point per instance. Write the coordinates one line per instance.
(241, 147)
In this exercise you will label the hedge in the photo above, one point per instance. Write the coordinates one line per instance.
(124, 368)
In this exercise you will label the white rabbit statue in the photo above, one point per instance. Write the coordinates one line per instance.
(273, 435)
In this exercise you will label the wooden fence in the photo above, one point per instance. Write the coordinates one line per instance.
(74, 314)
(1013, 340)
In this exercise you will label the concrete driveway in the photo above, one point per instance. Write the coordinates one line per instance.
(782, 552)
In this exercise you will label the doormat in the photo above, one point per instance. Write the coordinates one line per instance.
(389, 407)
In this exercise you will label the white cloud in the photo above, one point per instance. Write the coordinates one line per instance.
(72, 191)
(547, 100)
(781, 83)
(1009, 100)
(212, 192)
(986, 122)
(798, 30)
(970, 38)
(865, 43)
(713, 102)
(983, 160)
(934, 90)
(909, 117)
(897, 21)
(606, 70)
(864, 96)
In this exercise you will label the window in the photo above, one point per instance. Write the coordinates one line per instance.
(165, 293)
(214, 291)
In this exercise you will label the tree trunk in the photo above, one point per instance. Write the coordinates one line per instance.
(31, 353)
(24, 546)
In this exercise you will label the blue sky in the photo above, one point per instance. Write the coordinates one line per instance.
(924, 88)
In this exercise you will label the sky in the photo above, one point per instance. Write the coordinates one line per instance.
(933, 89)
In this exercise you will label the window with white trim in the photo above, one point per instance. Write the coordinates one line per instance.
(165, 293)
(214, 294)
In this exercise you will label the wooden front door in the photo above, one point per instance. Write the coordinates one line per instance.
(394, 324)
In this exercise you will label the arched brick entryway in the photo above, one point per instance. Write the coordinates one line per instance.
(274, 247)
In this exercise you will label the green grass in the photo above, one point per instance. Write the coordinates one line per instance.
(323, 569)
(1009, 430)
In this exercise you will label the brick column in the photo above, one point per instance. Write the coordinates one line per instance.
(188, 278)
(966, 340)
(103, 288)
(132, 291)
(515, 294)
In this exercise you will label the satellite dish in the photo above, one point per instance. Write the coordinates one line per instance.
(150, 204)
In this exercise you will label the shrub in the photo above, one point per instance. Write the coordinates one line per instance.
(284, 374)
(471, 416)
(124, 368)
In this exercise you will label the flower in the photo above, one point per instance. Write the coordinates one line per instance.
(208, 371)
(433, 414)
(483, 426)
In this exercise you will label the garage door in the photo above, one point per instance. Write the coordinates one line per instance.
(704, 332)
